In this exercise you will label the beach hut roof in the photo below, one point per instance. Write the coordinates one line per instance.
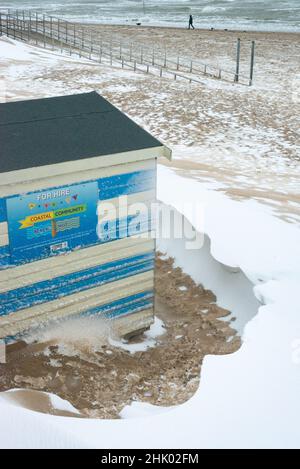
(49, 131)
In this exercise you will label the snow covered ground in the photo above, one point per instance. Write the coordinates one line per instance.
(249, 398)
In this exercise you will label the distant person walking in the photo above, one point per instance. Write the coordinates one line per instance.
(191, 22)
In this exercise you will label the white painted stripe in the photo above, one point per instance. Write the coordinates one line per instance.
(3, 228)
(75, 304)
(4, 241)
(68, 262)
(31, 174)
(125, 325)
(23, 187)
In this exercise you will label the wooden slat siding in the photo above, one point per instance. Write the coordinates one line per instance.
(83, 280)
(125, 325)
(32, 174)
(83, 301)
(74, 304)
(39, 184)
(70, 263)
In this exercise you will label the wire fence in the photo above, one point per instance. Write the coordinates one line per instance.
(74, 39)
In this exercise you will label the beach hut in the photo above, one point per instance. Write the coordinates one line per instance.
(77, 179)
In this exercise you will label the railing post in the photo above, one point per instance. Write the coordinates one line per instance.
(44, 31)
(238, 56)
(36, 27)
(252, 62)
(29, 25)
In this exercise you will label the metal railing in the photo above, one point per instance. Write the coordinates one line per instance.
(73, 38)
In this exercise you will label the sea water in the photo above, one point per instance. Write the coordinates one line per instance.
(264, 15)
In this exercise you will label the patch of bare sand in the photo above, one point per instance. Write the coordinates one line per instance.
(112, 378)
(37, 401)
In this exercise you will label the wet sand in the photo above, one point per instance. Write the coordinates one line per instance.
(100, 382)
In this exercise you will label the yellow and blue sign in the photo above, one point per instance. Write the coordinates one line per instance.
(51, 221)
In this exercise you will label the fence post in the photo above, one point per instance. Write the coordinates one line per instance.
(130, 52)
(29, 25)
(238, 56)
(191, 67)
(153, 57)
(66, 23)
(142, 55)
(23, 27)
(178, 63)
(44, 31)
(252, 62)
(0, 24)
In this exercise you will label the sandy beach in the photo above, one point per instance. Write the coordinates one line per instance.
(99, 379)
(233, 139)
(243, 139)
